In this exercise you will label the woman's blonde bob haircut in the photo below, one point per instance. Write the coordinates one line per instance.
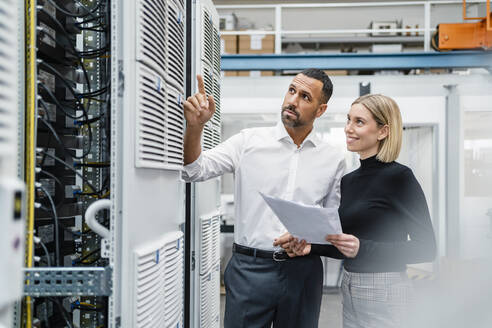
(385, 111)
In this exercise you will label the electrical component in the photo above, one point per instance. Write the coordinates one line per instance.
(70, 145)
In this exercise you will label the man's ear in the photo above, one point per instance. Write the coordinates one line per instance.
(321, 109)
(383, 132)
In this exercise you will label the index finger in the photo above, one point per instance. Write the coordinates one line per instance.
(286, 237)
(201, 85)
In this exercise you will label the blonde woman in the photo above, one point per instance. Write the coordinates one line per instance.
(384, 216)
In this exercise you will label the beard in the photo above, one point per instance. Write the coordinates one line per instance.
(287, 119)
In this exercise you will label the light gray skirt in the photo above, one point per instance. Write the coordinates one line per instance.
(376, 300)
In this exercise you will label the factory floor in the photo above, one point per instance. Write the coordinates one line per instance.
(331, 309)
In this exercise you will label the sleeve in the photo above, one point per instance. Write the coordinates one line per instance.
(326, 250)
(420, 247)
(214, 162)
(332, 198)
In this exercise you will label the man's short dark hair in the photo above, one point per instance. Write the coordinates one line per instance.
(319, 75)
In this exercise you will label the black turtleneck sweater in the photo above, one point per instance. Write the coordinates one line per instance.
(384, 206)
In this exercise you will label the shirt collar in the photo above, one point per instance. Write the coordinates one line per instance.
(281, 134)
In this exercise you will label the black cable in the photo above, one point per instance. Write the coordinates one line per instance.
(58, 182)
(62, 78)
(84, 152)
(94, 93)
(79, 54)
(55, 222)
(57, 138)
(71, 14)
(57, 102)
(62, 145)
(97, 165)
(71, 116)
(57, 23)
(90, 20)
(103, 49)
(93, 28)
(45, 249)
(72, 169)
(62, 225)
(90, 121)
(77, 95)
(64, 312)
(93, 54)
(84, 114)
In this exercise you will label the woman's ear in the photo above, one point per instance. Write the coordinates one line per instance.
(383, 132)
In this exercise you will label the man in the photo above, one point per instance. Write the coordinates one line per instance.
(264, 285)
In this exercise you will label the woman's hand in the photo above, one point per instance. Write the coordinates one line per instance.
(348, 245)
(292, 245)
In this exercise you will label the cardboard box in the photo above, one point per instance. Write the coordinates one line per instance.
(340, 72)
(257, 44)
(228, 44)
(256, 73)
(230, 73)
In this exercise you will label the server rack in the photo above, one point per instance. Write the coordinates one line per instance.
(105, 82)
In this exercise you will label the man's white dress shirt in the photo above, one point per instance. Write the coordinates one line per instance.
(267, 160)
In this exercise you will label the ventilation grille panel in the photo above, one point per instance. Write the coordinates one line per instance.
(180, 3)
(159, 283)
(152, 34)
(175, 127)
(209, 243)
(173, 253)
(159, 135)
(8, 77)
(176, 45)
(210, 299)
(216, 93)
(207, 38)
(216, 62)
(208, 131)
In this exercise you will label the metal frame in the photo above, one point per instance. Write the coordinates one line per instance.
(454, 59)
(117, 89)
(454, 173)
(435, 215)
(278, 32)
(17, 307)
(94, 281)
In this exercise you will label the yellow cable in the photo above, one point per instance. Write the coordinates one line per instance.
(30, 140)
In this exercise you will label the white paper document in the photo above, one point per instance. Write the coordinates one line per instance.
(311, 223)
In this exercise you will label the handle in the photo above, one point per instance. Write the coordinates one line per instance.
(90, 217)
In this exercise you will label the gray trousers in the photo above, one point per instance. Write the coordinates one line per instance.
(376, 300)
(261, 292)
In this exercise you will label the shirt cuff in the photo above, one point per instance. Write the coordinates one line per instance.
(192, 169)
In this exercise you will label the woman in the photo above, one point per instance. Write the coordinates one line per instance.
(384, 217)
